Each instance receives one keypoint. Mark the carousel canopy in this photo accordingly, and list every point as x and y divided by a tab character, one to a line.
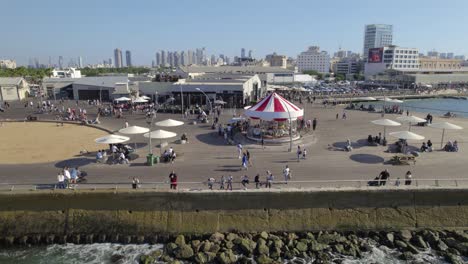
274	107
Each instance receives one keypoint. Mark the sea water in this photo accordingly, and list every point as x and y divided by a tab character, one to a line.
102	253
435	106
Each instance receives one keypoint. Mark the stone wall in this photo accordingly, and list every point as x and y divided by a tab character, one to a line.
145	213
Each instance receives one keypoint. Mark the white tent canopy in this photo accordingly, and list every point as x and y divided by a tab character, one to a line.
145	97
385	123
366	98
112	139
274	107
122	99
169	123
443	126
406	135
140	100
132	130
160	134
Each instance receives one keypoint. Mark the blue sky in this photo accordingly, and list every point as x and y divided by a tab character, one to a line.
93	28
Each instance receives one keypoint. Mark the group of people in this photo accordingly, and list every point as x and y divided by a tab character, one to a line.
384	177
426	147
451	146
225	182
169	155
67	177
120	154
377	140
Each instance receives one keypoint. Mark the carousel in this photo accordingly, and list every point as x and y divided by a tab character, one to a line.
274	119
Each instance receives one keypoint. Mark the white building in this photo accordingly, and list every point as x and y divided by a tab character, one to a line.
13	89
346	66
392	57
376	36
67	73
276	60
9	64
314	59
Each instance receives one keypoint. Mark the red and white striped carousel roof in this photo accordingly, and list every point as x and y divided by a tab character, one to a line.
274	107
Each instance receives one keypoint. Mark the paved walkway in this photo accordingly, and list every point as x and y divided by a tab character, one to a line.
207	155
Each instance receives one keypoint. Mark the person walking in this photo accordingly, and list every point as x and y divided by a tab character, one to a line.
286	175
245	181
314	124
263	143
257	181
135	183
244	161
298	153
269	180
61	181
173	180
229	183
66	174
408	178
239	150
247	153
384	176
211	182
337	115
222	182
304	153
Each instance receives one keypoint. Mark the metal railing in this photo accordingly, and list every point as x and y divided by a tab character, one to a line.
237	185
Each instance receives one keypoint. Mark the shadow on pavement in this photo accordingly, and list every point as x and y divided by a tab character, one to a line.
77	162
211	139
367	158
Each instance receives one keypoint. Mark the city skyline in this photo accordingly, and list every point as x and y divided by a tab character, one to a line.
155	29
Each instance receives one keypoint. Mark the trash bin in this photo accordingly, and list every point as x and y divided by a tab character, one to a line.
150	160
156	159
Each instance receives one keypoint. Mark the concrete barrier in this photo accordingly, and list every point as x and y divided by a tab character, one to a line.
145	213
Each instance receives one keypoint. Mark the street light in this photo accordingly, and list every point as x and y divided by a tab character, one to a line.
150	121
207	98
181	101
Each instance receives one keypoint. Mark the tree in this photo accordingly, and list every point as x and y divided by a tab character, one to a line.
314	73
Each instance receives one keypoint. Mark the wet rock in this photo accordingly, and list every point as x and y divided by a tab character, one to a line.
454	259
205	246
419	242
460	236
330	238
229	245
140	239
244	260
180	240
126	239
453	251
146	259
310	236
400	244
217	237
214	248
389	239
76	239
411	249
175	262
263	249
201	257
231	236
278	244
263	259
440	245
184	252
431	237
226	257
301	246
101	238
89	239
156	253
338	248
170	248
195	245
50	239
406	256
117	258
463	248
322	258
62	239
22	240
316	246
405	235
247	246
264	235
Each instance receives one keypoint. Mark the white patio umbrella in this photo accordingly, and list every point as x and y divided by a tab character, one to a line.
443	126
145	97
160	134
169	123
123	99
134	130
140	100
221	102
406	135
385	123
411	119
112	139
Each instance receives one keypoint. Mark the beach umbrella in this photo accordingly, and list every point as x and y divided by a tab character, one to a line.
134	130
112	139
140	100
145	97
169	123
123	99
443	126
385	123
406	135
411	119
160	134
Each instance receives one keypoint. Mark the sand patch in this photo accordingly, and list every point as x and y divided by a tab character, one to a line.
37	142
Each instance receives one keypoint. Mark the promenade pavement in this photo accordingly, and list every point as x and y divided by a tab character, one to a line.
206	155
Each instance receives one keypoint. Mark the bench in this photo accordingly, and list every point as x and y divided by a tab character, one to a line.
402	160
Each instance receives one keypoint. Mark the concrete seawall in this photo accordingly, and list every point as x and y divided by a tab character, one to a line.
140	213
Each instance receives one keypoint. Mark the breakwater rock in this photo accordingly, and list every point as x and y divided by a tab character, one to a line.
316	247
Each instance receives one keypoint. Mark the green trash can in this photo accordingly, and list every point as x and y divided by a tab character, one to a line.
156	159
150	160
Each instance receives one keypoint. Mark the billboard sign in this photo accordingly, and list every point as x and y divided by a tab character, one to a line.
375	55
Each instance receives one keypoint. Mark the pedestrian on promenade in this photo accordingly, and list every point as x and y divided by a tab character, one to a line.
314	124
222	181
397	182
286	174
257	181
263	143
298	153
304	153
344	116
61	181
407	112
337	115
135	183
66	174
229	183
244	161
173	180
408	178
211	182
384	176
245	181
269	179
247	153
239	150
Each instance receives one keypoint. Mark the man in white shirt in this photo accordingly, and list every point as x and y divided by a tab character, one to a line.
122	158
286	172
60	179
66	174
239	150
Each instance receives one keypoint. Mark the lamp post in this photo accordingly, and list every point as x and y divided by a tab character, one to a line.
100	93
207	98
181	101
